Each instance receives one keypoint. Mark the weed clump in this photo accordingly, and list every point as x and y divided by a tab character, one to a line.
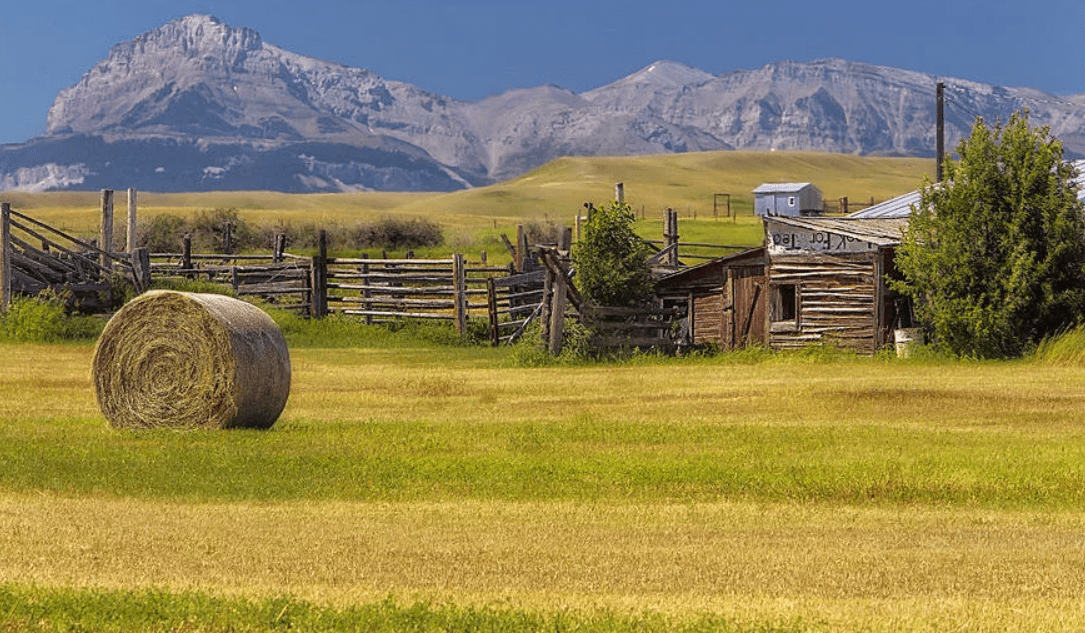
45	319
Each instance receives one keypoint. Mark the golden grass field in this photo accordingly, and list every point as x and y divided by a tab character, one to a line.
799	492
1000	545
558	190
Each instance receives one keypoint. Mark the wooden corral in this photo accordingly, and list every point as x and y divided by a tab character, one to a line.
35	257
375	290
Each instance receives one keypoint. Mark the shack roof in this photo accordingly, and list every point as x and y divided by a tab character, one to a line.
877	231
782	187
749	256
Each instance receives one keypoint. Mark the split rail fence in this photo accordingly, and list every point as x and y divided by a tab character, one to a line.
538	285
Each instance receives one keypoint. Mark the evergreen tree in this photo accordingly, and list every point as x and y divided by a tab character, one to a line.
994	257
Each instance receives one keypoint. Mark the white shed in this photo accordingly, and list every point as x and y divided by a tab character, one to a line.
789	199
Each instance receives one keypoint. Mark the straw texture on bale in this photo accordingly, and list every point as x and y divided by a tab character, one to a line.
188	360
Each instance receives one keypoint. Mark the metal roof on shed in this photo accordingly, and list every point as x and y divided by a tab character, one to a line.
782	187
901	206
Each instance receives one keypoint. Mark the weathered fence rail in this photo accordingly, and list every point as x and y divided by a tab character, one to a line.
36	256
646	327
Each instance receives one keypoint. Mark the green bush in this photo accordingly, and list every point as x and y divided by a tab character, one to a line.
994	257
397	234
612	260
45	319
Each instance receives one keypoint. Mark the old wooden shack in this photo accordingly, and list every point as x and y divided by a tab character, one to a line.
816	280
723	299
827	281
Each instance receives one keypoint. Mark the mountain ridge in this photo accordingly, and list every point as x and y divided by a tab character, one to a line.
197	104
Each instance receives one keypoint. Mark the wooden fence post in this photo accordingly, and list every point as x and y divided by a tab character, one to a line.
619	192
670	237
132	222
491	304
141	268
521	248
278	248
367	293
459	285
228	238
186	255
5	256
320	278
557	314
105	238
566	244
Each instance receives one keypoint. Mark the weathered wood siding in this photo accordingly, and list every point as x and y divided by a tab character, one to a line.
840	298
725	299
748	294
707	317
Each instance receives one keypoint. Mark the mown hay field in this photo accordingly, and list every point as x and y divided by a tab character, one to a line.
424	487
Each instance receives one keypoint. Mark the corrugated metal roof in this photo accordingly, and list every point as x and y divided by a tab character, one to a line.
878	231
901	206
781	187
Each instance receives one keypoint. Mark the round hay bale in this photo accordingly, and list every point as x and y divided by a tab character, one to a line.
187	360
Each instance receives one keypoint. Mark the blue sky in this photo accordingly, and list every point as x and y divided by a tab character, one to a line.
474	48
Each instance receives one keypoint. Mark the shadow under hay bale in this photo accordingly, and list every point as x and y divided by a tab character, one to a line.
187	360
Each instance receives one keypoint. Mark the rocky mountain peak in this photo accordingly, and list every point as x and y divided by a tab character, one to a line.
193	35
197	104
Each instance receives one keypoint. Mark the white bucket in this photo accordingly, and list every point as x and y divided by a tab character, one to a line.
906	340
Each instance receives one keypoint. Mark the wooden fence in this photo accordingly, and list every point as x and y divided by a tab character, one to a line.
646	327
537	286
35	256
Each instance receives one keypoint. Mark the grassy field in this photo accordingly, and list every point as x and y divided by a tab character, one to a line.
474	219
414	486
417	485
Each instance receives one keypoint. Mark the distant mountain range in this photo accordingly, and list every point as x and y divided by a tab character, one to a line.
198	105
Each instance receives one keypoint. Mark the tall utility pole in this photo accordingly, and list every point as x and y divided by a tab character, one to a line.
940	133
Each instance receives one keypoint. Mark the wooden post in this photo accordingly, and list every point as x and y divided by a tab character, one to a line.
579	226
279	248
557	314
186	254
566	244
459	285
5	256
546	303
670	237
844	205
131	233
939	131
619	192
228	238
320	278
141	268
491	304
367	293
521	247
105	236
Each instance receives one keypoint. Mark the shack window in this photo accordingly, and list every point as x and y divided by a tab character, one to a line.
784	309
791	201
